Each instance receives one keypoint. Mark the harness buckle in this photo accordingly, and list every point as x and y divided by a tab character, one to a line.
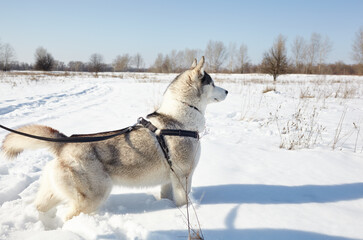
145	123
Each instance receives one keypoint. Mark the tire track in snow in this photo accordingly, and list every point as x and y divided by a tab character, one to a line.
66	101
54	98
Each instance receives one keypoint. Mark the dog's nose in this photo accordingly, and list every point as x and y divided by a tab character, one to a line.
226	92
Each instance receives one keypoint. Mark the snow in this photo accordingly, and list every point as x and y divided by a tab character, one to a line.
246	185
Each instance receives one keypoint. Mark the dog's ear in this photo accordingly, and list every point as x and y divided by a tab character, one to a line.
200	64
200	68
194	64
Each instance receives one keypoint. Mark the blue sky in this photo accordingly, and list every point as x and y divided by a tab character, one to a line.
74	29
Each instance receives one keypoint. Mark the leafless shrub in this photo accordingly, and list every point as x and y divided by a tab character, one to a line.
338	130
357	128
301	131
345	90
306	93
269	89
349	91
341	137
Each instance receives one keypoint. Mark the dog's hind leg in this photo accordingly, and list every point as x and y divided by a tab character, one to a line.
46	197
87	201
85	187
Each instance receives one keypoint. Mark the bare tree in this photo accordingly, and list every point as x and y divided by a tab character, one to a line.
122	63
1	55
176	60
59	66
138	61
183	58
189	56
312	51
166	67
77	66
216	54
299	52
232	53
7	56
243	58
158	64
43	60
275	60
96	64
357	47
325	48
318	51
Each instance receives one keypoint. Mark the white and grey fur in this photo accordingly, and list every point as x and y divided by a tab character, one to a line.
82	174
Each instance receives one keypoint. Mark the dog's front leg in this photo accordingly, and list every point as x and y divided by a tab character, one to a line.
181	187
167	191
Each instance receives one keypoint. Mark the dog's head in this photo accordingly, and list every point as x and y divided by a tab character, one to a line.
196	87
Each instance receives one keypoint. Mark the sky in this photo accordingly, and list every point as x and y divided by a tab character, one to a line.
75	29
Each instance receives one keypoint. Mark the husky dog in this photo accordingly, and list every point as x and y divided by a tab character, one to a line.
82	174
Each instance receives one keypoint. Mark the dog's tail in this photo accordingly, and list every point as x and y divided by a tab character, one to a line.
14	144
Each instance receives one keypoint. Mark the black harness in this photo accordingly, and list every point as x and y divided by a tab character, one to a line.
141	122
166	132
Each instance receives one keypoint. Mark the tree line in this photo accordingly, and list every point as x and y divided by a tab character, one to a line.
307	56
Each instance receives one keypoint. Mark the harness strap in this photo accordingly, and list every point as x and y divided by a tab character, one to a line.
165	148
180	133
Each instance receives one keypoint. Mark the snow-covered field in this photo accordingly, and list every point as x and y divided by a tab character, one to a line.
248	184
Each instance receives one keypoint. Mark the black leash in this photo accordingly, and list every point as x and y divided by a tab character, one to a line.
75	138
85	138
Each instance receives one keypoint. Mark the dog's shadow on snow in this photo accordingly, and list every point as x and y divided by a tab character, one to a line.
273	194
248	234
267	194
241	194
238	194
